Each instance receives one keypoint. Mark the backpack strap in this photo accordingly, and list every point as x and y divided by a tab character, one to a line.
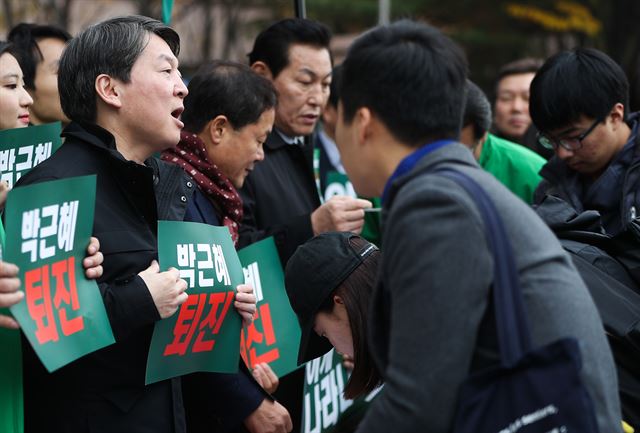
514	337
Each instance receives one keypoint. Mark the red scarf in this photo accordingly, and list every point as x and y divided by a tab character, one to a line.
192	156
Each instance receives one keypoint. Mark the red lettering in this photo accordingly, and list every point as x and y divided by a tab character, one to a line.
212	321
39	304
264	337
67	296
186	325
189	322
267	326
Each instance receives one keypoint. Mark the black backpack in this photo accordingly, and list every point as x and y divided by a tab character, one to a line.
610	268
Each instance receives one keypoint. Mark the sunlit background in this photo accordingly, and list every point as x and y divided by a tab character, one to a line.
492	32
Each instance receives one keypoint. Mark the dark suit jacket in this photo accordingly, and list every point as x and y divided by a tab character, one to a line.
105	391
279	196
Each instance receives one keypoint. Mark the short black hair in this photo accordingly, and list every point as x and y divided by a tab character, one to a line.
25	37
411	76
230	89
528	65
477	110
272	44
582	81
110	47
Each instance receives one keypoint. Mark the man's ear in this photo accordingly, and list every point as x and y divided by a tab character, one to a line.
330	114
217	128
262	69
617	114
365	123
107	89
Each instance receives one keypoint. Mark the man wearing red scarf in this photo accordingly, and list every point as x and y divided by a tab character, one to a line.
228	115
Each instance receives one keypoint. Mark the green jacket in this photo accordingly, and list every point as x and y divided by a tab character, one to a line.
513	165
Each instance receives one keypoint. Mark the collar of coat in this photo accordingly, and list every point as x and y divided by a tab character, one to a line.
276	141
99	137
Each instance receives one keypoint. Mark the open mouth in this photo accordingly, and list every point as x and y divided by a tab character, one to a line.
177	112
176	115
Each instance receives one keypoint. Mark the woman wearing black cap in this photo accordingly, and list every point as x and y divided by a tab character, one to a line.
329	281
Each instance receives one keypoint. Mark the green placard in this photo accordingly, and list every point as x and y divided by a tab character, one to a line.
48	229
324	409
338	184
1	238
21	149
204	334
274	335
11	407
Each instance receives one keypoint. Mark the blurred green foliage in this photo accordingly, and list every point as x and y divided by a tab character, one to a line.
494	32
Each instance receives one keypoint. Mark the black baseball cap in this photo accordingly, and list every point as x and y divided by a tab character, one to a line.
312	273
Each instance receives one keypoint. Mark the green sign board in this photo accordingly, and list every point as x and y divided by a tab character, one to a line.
48	229
21	149
338	184
274	335
1	238
324	408
11	407
204	334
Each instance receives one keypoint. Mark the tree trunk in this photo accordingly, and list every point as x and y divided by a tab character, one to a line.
231	31
207	29
8	14
622	41
64	12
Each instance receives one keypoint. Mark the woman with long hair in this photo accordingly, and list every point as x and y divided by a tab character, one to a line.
329	281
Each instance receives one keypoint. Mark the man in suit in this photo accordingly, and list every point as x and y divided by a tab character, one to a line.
281	197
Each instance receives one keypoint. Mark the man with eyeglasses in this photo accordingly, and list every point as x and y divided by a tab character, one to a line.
579	103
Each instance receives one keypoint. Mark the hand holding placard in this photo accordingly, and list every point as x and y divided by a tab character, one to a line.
48	229
245	303
204	333
167	288
274	335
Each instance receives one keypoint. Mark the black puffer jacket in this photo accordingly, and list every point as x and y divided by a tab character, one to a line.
560	181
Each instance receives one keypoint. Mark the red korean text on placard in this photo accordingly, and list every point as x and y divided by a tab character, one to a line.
52	296
261	333
201	316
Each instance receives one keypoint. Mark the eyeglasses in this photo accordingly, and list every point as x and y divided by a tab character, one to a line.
572	143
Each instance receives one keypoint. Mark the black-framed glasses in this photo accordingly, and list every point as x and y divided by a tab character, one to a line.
573	143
